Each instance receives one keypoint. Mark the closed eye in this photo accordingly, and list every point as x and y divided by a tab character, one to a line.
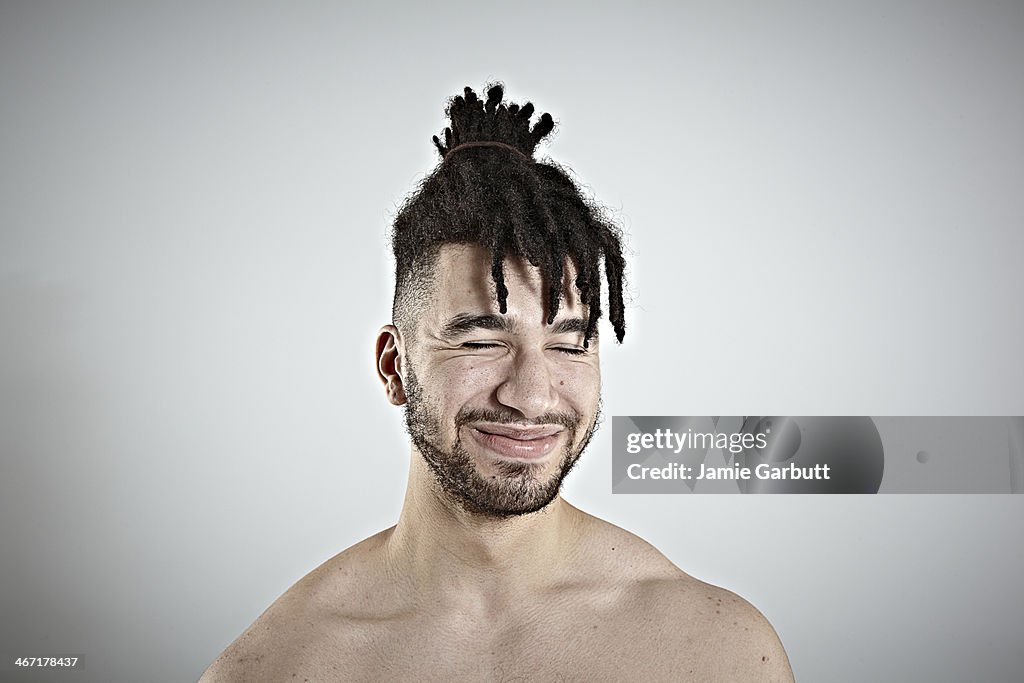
568	350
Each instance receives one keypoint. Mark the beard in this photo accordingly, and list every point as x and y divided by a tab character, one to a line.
516	490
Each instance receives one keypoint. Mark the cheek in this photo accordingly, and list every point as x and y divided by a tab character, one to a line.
462	379
580	384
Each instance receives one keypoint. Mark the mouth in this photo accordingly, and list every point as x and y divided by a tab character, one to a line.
526	443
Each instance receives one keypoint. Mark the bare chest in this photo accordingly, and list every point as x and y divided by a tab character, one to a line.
552	646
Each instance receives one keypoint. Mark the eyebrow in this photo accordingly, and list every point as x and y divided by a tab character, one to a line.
577	325
468	322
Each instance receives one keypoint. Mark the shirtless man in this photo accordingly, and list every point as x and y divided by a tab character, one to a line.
489	574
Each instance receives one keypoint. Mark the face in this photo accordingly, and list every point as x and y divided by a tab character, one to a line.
500	406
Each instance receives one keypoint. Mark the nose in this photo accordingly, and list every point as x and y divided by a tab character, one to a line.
528	388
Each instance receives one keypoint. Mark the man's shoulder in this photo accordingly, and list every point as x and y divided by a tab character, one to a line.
711	629
323	605
732	638
257	654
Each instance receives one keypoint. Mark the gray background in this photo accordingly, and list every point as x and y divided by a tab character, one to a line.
824	206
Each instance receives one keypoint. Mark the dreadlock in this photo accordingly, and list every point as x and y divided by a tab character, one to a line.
510	203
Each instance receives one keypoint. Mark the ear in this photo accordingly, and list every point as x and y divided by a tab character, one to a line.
389	363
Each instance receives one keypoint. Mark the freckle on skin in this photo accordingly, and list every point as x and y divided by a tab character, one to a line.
561	382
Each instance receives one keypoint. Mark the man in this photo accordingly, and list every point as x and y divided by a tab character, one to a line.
489	574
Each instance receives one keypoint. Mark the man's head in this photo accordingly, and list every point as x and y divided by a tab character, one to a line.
498	292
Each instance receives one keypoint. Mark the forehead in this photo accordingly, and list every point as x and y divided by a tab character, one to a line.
463	283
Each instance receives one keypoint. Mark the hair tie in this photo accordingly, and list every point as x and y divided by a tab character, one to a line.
484	143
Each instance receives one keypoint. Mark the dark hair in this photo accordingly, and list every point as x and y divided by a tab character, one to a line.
510	203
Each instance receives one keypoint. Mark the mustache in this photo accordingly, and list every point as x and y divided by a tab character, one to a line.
465	416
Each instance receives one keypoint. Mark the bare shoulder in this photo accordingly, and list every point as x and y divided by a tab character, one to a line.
736	640
714	633
289	635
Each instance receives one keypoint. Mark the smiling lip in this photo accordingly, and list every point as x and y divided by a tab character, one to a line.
528	443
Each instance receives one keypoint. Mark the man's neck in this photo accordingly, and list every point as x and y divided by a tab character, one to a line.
443	550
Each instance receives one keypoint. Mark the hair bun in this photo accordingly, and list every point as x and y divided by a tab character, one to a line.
473	120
